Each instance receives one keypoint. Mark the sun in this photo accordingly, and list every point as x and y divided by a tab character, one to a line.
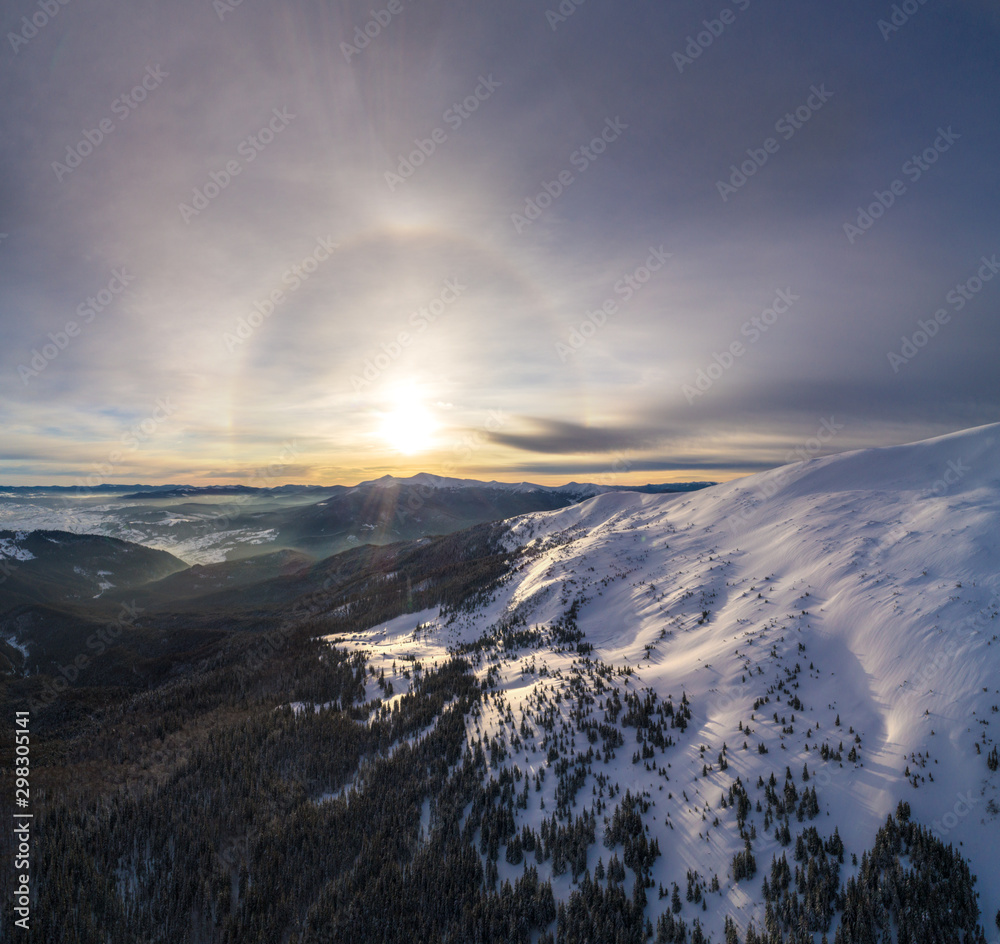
409	427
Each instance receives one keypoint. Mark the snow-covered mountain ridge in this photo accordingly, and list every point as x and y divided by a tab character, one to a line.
839	606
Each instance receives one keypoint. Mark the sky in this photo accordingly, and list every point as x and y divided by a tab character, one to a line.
323	241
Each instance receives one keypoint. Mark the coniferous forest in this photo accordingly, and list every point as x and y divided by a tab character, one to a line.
267	795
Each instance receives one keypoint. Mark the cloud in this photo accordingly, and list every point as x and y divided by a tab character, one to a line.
555	437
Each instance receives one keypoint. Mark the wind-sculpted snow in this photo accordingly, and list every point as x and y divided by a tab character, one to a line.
835	619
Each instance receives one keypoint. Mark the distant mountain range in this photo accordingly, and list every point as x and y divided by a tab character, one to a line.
795	673
216	523
423	479
70	565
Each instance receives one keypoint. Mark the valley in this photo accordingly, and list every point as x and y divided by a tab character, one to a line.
731	715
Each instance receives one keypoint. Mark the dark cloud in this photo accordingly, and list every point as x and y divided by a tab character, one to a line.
555	437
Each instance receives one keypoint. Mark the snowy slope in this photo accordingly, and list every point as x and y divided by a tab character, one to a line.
866	585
